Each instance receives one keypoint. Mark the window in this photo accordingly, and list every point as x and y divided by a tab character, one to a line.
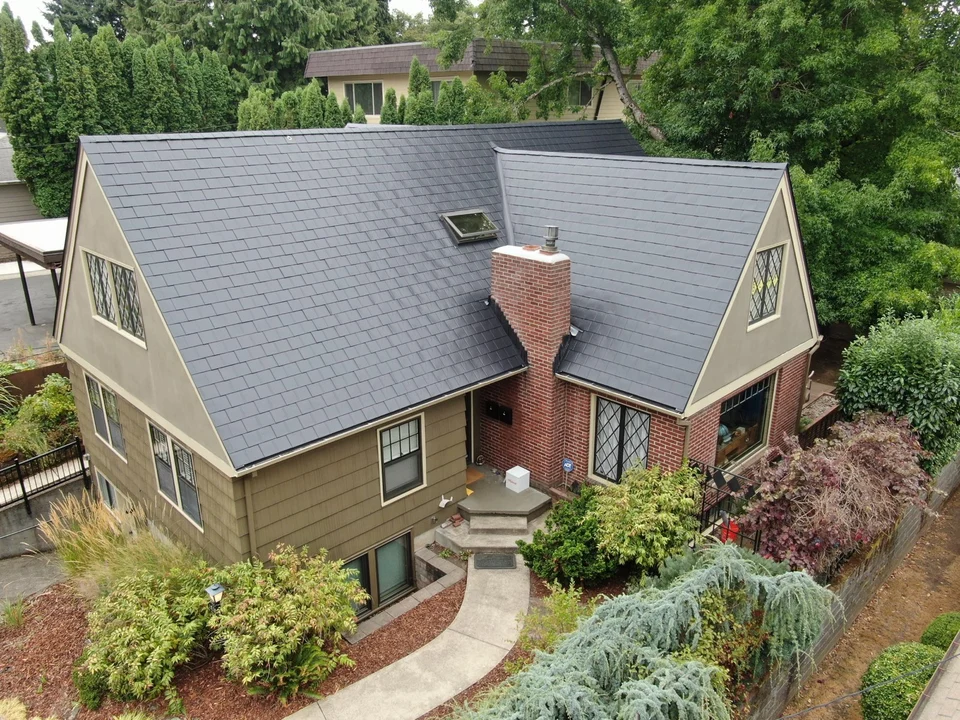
176	478
621	438
108	493
469	226
579	93
115	297
766	283
369	96
385	572
435	86
106	415
743	421
401	459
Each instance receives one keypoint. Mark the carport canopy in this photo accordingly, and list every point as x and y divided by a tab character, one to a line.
41	242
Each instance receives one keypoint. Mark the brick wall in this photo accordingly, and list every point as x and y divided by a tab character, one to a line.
790	391
703	434
853	592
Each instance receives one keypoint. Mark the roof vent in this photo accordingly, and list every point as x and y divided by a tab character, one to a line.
550	239
468	226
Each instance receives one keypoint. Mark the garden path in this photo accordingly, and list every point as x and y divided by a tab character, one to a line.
26	575
483	632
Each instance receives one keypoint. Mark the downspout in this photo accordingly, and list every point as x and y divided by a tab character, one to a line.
685	424
251	524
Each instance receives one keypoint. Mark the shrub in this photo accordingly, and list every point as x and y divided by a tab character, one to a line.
280	626
15	613
911	368
545	626
45	419
815	505
567	549
91	687
13	709
941	632
146	627
896	700
649	516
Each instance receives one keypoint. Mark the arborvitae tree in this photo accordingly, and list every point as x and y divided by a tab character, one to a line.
451	105
88	14
256	111
216	93
288	110
482	106
145	92
332	117
419	79
77	110
170	109
359	116
186	76
388	113
402	110
36	32
111	90
346	112
421	110
311	106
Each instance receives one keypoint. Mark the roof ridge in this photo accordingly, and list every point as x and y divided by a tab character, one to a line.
646	158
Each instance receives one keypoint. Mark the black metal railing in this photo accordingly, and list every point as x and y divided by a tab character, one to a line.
820	429
724	495
24	478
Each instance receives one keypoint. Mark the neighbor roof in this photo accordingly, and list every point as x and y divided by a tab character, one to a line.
306	277
7	175
658	246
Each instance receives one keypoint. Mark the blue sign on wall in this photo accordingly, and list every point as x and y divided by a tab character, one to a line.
567	465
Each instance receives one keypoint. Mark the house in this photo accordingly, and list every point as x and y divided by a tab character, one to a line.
16	203
364	74
311	336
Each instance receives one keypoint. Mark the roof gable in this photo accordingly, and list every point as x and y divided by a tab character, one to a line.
306	277
658	246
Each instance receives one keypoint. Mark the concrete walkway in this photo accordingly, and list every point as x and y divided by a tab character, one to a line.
478	639
27	575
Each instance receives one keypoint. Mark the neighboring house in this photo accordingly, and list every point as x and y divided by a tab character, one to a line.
364	74
16	203
307	336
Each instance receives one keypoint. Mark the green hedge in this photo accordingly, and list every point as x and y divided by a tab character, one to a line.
896	700
941	632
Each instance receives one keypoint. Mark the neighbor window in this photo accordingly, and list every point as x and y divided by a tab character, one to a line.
385	572
115	296
369	96
106	415
435	85
743	421
401	458
620	441
766	283
176	478
579	93
108	493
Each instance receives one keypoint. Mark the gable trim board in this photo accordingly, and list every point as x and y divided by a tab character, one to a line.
71	249
609	392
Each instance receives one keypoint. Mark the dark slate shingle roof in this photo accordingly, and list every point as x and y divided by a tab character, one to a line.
305	275
657	246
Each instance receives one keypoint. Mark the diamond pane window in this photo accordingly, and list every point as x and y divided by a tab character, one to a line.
469	226
621	439
766	283
100	286
128	301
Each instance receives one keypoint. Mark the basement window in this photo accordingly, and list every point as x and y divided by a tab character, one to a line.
469	226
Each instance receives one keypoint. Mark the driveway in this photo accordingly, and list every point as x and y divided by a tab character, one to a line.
13	310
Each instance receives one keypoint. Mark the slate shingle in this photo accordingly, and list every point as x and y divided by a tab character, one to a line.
385	288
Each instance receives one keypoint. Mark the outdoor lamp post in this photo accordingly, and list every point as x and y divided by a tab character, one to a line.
215	592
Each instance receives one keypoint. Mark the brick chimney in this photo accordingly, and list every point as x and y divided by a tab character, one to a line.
531	286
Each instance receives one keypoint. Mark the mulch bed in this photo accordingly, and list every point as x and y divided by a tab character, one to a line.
53	636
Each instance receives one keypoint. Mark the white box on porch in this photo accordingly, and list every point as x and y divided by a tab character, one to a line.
518	479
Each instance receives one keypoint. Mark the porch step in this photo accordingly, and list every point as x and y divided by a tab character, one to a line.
498	524
467	538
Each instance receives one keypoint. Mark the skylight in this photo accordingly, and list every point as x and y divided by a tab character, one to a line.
469	226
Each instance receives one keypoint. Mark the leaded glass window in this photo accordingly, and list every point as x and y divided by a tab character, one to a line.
621	439
176	476
100	286
128	301
96	408
400	458
187	483
105	409
766	283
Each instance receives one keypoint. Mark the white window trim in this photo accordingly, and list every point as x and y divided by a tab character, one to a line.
764	445
423	457
176	479
105	440
116	493
751	326
591	475
383	95
115	326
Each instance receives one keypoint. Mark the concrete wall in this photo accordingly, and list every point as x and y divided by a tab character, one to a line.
853	592
155	375
18	529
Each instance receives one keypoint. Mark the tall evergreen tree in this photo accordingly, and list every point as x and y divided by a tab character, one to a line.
402	110
217	93
312	106
186	76
332	117
345	112
88	15
169	111
111	90
288	110
388	113
419	79
359	116
256	111
420	109
145	92
77	110
451	105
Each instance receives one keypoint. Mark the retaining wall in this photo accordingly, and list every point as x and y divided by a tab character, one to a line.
18	530
26	382
853	591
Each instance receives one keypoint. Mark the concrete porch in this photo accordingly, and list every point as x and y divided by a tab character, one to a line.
490	496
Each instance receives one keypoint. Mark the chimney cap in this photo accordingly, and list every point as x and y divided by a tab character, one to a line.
550	239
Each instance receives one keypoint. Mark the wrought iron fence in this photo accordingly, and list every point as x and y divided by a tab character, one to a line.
25	478
820	429
725	494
